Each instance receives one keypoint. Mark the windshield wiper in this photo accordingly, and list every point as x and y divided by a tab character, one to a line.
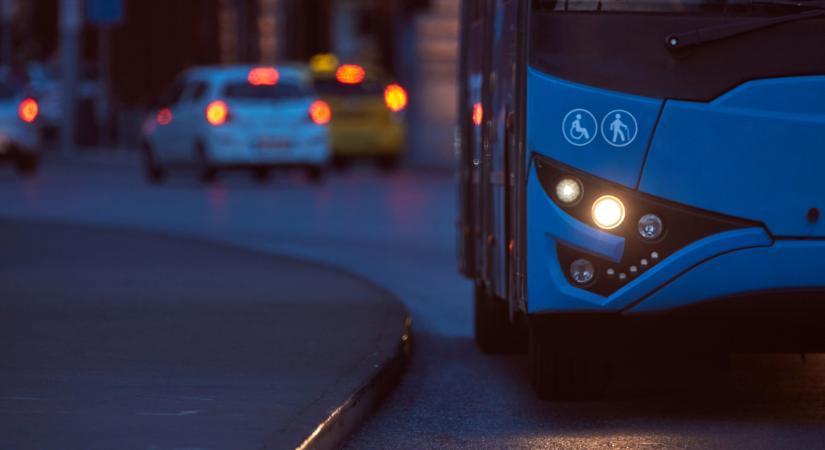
681	41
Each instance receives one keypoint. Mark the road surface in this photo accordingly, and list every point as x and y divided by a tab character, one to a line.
398	231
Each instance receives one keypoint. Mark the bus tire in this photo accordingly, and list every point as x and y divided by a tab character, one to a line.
494	333
560	373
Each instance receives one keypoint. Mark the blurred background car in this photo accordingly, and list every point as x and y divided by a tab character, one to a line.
19	138
368	112
241	116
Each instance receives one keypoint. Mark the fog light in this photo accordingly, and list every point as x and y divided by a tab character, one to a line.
608	212
651	227
582	271
569	190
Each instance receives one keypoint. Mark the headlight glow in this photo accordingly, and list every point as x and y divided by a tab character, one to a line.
569	190
608	212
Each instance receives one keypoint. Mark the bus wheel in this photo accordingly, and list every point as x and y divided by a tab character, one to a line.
494	333
559	373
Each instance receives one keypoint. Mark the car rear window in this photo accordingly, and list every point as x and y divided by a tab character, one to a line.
333	87
244	90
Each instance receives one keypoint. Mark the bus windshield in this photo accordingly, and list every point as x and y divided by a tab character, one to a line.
670	6
680	49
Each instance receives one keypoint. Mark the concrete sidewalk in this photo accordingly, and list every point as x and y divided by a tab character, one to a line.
127	340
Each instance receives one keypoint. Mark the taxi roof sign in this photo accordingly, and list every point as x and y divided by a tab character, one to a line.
324	62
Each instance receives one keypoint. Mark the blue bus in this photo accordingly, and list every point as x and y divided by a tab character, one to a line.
641	174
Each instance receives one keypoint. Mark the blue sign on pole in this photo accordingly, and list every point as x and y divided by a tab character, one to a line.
104	12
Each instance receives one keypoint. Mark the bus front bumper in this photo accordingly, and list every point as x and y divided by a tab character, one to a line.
746	270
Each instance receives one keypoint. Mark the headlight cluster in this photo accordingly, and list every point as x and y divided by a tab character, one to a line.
653	228
608	211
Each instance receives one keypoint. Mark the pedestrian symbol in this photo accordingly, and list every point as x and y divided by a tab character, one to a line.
619	128
579	127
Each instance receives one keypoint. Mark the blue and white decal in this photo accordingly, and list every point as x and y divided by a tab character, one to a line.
579	127
619	128
584	114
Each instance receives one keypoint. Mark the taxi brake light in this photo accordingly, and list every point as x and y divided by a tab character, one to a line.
28	110
263	76
217	113
350	74
395	97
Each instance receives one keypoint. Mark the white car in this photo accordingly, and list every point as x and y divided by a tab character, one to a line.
19	136
246	117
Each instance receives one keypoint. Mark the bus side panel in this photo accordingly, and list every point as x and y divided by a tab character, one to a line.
517	181
469	127
502	133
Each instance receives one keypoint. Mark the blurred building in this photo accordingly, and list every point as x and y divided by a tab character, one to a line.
435	57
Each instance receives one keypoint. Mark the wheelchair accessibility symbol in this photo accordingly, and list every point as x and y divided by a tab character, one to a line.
619	128
580	127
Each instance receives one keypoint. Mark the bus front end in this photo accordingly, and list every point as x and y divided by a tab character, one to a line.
676	185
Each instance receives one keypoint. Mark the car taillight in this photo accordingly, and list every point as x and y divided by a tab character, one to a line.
395	97
28	110
350	74
164	116
320	112
217	113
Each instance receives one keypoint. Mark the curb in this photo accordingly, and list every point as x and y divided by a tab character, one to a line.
345	419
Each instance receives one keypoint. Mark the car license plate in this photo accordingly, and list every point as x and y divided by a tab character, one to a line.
273	144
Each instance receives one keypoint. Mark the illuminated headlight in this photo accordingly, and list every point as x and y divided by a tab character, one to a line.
582	271
651	227
608	212
569	190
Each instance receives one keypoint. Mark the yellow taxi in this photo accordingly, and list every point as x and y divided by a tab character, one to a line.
367	112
